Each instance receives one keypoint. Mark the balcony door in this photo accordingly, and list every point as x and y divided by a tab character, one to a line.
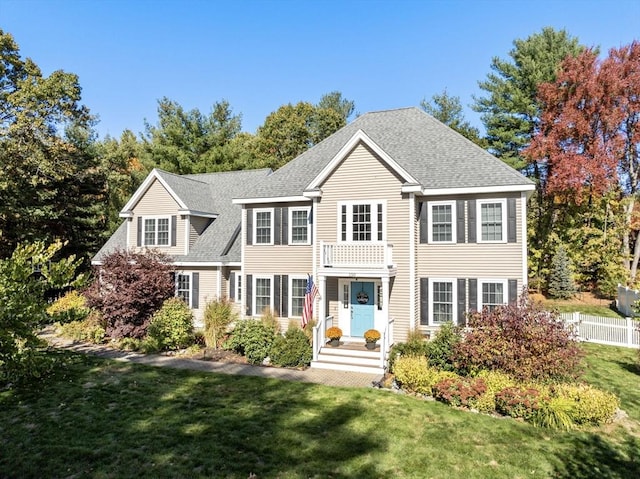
362	306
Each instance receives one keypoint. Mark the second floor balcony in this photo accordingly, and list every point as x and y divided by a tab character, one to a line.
356	255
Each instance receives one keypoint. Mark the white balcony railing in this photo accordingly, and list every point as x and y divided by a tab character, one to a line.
363	254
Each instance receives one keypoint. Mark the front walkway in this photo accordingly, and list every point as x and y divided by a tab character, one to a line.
311	375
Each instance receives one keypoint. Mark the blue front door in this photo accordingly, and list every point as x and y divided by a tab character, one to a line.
362	307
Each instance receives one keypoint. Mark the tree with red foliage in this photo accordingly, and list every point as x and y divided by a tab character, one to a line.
128	288
588	141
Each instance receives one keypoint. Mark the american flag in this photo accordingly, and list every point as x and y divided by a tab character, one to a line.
309	297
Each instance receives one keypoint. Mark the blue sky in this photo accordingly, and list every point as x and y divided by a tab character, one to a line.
262	54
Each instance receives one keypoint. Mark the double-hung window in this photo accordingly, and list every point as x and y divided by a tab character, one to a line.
492	215
443	300
299	225
493	293
156	231
361	221
263	294
297	290
442	224
263	226
183	287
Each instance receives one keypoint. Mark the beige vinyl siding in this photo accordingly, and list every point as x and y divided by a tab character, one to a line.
332	299
197	226
207	285
158	202
363	176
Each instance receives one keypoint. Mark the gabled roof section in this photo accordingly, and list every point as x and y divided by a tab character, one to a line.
117	241
437	157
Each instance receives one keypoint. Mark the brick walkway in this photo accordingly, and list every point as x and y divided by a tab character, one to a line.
318	376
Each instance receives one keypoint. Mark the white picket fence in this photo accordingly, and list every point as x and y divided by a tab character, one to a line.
602	330
626	300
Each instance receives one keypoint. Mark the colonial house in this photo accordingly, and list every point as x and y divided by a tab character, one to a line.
402	223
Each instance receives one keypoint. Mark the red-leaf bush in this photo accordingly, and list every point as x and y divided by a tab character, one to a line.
459	391
128	288
522	340
518	402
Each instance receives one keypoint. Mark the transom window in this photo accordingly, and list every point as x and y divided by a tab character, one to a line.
362	221
156	231
183	288
492	216
263	226
299	221
262	294
441	222
298	288
493	294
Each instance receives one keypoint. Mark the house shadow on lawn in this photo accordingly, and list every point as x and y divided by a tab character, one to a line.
591	457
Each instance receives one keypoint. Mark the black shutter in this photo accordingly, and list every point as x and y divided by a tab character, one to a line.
460	220
513	291
277	228
462	300
284	312
424	299
139	230
473	294
277	306
471	213
249	225
232	285
284	236
511	220
248	297
424	227
195	290
310	224
174	228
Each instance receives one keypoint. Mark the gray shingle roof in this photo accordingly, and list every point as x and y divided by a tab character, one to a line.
117	241
434	154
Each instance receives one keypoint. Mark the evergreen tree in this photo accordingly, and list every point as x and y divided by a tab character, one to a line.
561	284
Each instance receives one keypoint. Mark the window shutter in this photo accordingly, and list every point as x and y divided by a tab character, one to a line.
277	294
511	220
310	224
424	299
513	291
473	294
174	228
471	213
343	222
249	225
462	301
277	225
284	312
424	227
460	220
232	285
139	230
195	290
172	275
248	297
285	226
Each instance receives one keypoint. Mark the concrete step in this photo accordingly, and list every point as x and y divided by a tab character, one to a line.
349	358
356	368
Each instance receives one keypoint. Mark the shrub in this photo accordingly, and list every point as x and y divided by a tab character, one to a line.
518	402
70	307
91	329
172	326
128	289
416	346
459	391
555	413
414	374
495	381
218	315
333	333
590	406
251	338
521	340
270	319
291	350
440	350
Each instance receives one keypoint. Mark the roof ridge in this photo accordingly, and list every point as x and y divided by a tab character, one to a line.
178	176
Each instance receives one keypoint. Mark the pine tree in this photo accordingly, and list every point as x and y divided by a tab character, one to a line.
561	284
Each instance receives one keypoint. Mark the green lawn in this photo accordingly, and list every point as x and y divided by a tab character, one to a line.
105	419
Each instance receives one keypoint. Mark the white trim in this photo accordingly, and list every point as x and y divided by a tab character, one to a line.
273	199
476	189
290	295
187	233
523	232
238	294
454	221
190	275
205	263
491	201
505	290
254	311
126	214
243	248
374	220
454	298
143	243
271	223
412	261
290	225
142	189
127	243
219	286
359	136
188	212
411	188
317	193
315	251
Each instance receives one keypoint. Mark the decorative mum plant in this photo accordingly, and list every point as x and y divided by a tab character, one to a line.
334	333
371	335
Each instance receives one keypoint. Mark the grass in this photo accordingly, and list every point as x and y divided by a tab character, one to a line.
103	419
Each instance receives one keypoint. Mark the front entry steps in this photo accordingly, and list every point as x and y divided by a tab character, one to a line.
349	357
